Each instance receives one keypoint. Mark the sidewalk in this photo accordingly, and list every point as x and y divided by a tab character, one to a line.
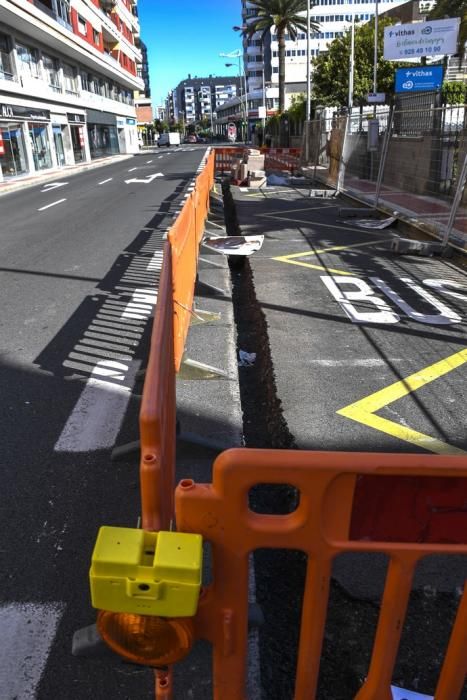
429	213
68	170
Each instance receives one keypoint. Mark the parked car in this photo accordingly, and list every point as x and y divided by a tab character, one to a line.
169	138
191	138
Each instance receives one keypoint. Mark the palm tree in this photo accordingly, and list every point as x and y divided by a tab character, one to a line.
287	16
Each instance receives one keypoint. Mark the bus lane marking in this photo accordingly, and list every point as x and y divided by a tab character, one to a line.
364	410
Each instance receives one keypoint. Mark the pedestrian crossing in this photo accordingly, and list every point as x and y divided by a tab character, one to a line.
27	631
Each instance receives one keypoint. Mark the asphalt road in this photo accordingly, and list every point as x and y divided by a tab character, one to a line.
79	260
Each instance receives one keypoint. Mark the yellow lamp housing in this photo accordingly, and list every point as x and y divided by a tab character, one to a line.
146	573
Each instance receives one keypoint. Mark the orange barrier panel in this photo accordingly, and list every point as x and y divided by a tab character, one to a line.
281	158
319	527
157	413
185	236
182	237
225	156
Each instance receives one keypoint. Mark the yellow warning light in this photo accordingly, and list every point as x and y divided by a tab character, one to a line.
146	573
147	640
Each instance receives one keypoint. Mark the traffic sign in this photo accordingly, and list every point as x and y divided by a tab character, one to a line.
421	78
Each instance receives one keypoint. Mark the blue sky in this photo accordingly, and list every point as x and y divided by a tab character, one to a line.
184	36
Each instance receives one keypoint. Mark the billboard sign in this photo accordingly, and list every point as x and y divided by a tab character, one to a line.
404	42
231	131
419	79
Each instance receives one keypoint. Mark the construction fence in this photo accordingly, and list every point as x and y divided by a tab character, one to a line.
408	158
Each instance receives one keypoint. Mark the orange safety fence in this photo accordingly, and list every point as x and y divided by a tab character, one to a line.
226	155
281	158
171	323
185	237
320	527
157	413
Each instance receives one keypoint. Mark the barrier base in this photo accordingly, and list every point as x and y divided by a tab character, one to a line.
407	246
126	450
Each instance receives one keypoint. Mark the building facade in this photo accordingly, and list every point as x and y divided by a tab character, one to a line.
261	59
68	72
196	99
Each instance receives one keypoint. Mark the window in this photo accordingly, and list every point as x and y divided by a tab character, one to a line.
63	10
82	25
69	77
96	37
85	81
6	69
51	70
28	60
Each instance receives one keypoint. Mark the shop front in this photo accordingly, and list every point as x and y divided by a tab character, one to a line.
24	140
13	160
102	132
77	124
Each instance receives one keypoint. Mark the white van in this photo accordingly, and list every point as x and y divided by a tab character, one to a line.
171	138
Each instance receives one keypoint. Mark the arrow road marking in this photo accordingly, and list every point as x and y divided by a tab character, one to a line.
53	186
364	410
146	180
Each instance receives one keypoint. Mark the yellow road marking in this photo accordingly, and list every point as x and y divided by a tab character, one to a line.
364	410
292	261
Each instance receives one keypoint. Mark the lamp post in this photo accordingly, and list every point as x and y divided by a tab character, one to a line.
241	72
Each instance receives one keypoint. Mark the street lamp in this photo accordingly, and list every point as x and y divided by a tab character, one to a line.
244	102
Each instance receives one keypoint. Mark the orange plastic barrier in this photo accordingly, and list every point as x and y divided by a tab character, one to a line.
185	236
281	158
226	155
319	527
170	329
157	413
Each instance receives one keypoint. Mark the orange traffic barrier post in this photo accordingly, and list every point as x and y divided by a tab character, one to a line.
321	528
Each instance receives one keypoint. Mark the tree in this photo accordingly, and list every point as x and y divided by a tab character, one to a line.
453	8
286	16
331	69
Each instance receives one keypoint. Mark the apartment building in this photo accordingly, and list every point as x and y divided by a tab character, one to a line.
68	72
199	98
261	59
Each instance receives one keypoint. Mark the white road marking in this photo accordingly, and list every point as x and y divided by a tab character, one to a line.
97	416
131	170
59	201
147	180
53	186
27	631
93	424
149	161
160	156
104	181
